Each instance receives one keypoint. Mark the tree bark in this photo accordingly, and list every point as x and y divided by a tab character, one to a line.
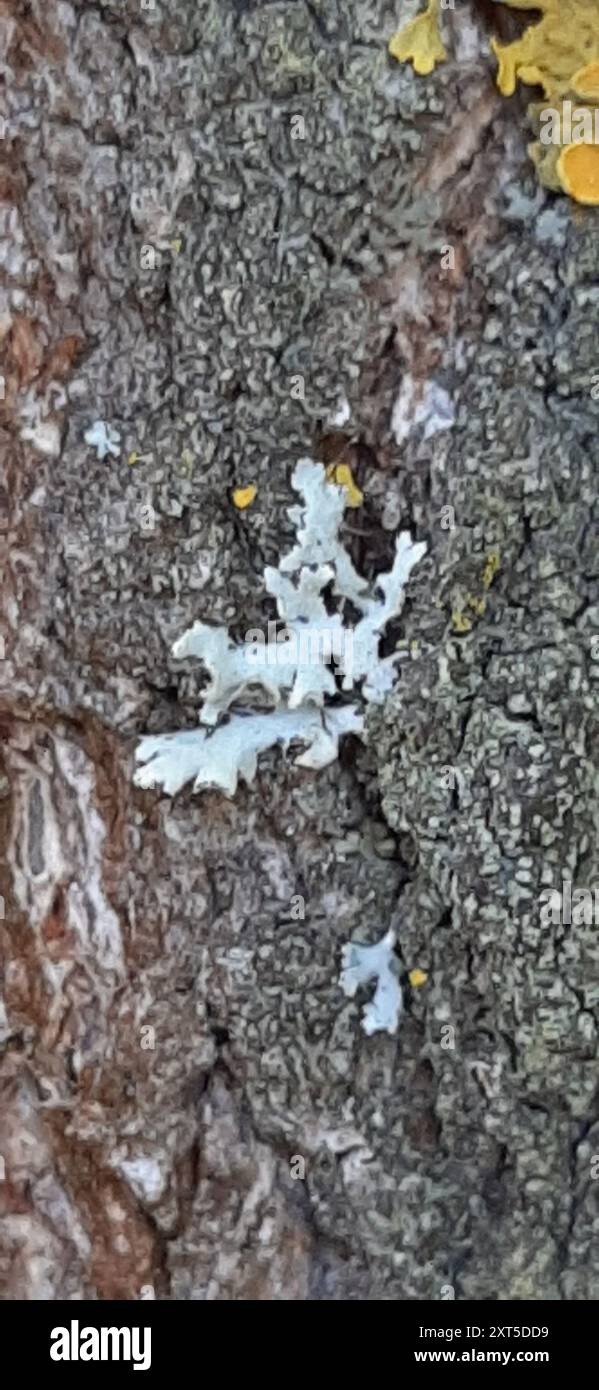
219	221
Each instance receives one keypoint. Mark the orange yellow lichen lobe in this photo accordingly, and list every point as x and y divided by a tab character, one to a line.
578	172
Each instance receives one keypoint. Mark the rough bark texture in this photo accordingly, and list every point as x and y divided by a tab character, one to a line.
173	1035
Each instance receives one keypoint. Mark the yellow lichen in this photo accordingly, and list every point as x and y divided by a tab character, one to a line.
459	621
578	172
585	82
551	50
559	126
545	158
176	246
417	978
420	42
559	52
491	567
478	605
244	496
341	474
133	456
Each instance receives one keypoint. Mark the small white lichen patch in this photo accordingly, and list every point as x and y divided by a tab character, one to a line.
341	414
104	439
295	674
39	426
361	965
417	404
144	1175
44	436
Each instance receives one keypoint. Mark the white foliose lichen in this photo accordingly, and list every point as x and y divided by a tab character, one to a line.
220	758
104	439
361	965
295	674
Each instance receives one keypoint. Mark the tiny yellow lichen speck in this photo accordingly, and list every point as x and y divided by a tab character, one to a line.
478	605
244	496
460	622
341	474
491	568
